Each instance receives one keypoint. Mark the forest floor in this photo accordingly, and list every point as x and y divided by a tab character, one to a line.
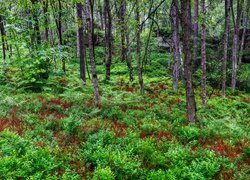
60	134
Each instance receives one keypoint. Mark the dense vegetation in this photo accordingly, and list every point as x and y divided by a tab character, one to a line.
129	112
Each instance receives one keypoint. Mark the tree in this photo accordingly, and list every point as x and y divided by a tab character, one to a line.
79	12
235	48
90	23
108	36
245	22
129	56
175	43
36	21
187	49
203	54
138	46
196	30
3	35
226	36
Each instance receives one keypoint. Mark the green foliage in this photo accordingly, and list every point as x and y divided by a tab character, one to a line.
19	159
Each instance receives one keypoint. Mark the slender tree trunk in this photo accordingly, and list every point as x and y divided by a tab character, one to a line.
176	44
90	22
79	10
145	57
187	48
195	36
226	36
203	55
129	55
2	29
245	22
108	38
138	46
60	33
236	44
128	49
46	19
101	17
122	26
36	25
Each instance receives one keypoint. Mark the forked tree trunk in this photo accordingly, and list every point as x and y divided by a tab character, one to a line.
187	49
79	12
203	55
108	37
226	36
90	22
176	44
138	46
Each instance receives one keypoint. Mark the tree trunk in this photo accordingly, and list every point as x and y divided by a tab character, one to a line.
203	55
236	44
46	19
176	44
79	10
187	48
36	25
195	36
129	55
3	34
90	22
138	46
122	26
245	22
226	36
108	38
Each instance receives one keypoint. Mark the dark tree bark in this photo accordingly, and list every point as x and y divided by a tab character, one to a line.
236	43
90	22
36	25
46	19
3	35
203	55
79	10
108	37
226	36
138	46
196	14
187	49
176	43
245	22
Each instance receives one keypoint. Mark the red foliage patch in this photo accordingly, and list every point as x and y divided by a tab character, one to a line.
162	86
13	122
129	89
220	148
57	115
118	128
77	166
165	135
143	135
59	102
